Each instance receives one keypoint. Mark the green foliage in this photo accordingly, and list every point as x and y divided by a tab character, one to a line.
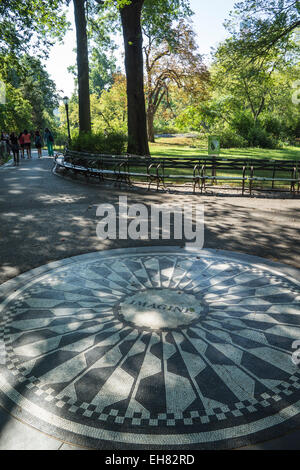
230	139
260	26
108	112
102	71
15	114
110	144
273	126
254	132
158	17
30	24
30	95
39	90
259	137
103	24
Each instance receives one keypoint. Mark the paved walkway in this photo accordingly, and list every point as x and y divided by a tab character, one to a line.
45	218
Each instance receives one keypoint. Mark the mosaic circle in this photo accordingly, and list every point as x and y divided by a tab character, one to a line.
153	350
160	309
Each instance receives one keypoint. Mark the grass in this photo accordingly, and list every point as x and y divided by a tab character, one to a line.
4	159
194	148
187	147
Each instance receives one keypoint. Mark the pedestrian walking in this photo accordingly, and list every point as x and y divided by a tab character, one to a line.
21	144
14	144
49	139
5	140
38	143
27	143
2	146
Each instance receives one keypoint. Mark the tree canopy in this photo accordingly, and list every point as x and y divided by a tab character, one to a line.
31	24
260	26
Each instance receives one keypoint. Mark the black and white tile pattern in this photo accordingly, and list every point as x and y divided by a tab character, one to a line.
154	350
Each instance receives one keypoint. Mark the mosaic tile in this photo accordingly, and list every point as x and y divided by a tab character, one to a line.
185	347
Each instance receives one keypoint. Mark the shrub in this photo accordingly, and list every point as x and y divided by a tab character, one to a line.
241	123
111	144
264	134
273	126
259	137
230	139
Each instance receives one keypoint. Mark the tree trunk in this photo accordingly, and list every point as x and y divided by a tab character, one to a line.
133	40
82	66
150	124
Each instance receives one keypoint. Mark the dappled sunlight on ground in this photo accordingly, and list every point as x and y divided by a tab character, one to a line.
45	218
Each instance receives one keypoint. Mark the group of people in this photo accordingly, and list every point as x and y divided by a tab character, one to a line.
23	142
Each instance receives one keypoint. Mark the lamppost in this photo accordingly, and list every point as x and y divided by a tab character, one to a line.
66	103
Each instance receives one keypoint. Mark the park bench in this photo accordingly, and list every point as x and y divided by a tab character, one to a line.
104	166
217	169
199	171
174	169
274	171
252	171
123	168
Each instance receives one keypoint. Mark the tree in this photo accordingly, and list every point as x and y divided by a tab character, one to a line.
39	90
176	63
30	23
31	95
82	66
102	71
263	25
133	40
16	114
131	14
158	14
102	22
109	112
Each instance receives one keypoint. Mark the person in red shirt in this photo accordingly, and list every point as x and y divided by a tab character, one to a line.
27	143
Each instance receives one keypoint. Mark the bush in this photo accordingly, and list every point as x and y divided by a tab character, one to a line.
241	123
264	134
273	126
111	144
259	137
230	139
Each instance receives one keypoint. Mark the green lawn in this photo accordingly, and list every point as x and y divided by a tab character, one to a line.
173	147
177	147
187	147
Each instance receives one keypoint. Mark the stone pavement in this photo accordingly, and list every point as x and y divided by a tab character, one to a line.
50	218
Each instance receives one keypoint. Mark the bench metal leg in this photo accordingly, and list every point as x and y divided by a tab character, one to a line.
243	187
250	187
149	177
293	188
195	182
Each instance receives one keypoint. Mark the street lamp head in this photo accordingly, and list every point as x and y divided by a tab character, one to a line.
66	100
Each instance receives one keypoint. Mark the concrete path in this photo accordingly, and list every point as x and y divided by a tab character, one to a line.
45	218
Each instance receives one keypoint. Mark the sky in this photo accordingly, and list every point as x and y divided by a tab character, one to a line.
208	25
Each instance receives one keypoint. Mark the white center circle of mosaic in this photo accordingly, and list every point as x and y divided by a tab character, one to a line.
153	350
159	309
